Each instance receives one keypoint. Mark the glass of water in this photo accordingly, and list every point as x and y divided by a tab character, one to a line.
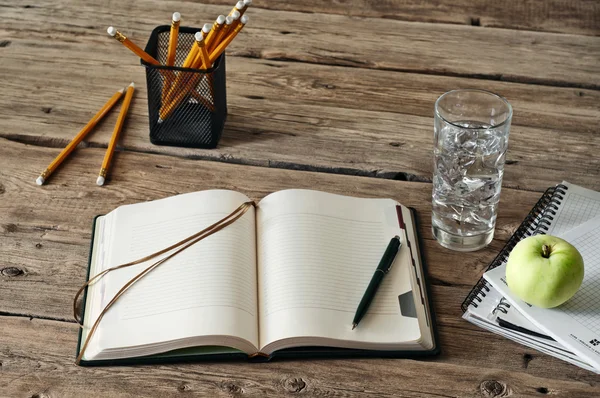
471	138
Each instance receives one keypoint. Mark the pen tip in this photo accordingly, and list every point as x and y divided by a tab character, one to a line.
353	326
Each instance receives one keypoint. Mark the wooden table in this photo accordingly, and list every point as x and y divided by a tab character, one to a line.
331	95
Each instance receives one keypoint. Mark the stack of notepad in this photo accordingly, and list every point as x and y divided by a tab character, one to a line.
570	331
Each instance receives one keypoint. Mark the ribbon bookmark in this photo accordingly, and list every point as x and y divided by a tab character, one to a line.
180	246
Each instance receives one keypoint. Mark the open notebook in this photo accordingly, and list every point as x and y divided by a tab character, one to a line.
560	211
284	279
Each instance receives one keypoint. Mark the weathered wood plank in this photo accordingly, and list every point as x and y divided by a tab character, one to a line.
45	234
46	237
575	16
556	59
36	357
284	116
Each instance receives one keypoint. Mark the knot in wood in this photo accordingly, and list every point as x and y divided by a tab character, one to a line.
40	395
232	388
11	271
494	389
183	387
294	384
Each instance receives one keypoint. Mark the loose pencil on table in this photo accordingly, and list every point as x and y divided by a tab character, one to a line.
115	136
79	137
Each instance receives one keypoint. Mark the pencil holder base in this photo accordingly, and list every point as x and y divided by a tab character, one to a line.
186	107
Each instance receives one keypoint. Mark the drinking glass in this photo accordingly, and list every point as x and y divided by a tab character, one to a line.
471	138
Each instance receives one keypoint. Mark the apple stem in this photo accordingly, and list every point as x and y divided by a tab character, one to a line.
545	251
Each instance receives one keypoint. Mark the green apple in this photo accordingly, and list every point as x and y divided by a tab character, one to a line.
544	270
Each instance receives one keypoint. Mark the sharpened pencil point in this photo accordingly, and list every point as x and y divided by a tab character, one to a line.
111	30
176	17
132	85
40	180
100	181
160	120
221	19
121	91
353	326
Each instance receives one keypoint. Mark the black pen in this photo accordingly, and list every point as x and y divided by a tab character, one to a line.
383	268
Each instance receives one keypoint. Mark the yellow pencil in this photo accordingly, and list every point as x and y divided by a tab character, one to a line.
241	6
131	45
187	63
223	45
173	37
178	91
222	33
115	136
80	136
216	28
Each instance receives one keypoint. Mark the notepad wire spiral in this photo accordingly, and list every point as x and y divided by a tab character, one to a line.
502	306
537	222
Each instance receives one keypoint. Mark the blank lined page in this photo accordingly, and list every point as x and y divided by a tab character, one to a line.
317	254
208	289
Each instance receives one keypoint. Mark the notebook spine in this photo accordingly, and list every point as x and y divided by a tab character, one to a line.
537	222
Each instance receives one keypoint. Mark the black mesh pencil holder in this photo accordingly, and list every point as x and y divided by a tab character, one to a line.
187	107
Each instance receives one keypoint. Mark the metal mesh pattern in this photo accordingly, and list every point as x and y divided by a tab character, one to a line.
186	107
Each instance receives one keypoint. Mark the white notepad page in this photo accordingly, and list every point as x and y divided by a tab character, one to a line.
576	323
577	205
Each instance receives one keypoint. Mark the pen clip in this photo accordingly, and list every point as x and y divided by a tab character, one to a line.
395	254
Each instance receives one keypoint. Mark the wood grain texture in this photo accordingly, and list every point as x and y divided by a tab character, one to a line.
500	54
342	120
46	241
46	237
37	357
575	16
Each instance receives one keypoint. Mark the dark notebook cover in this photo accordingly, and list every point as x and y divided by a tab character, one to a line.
187	355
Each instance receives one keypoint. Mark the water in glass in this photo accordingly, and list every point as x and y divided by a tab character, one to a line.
468	164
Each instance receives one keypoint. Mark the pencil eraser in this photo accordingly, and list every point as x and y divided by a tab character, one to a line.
239	5
40	180
159	121
112	30
100	181
229	20
199	36
244	19
247	2
221	19
235	15
176	17
206	28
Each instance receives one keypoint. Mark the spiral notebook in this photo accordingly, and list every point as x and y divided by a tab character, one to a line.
560	209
